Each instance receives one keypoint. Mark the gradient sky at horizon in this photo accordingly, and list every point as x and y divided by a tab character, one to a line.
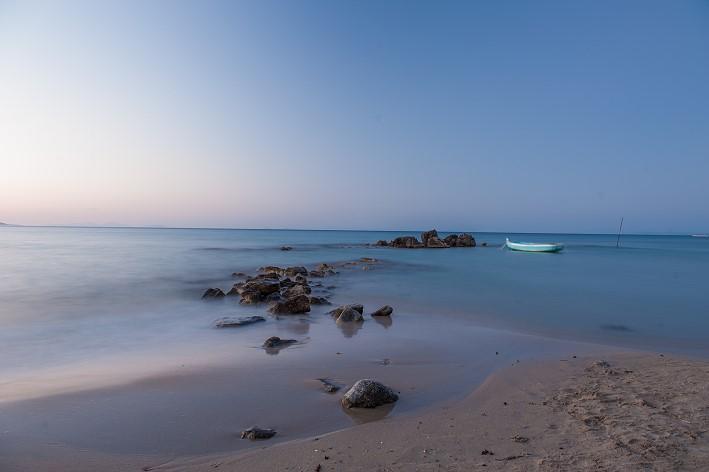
550	116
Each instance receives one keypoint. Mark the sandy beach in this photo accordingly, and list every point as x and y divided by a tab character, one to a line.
627	412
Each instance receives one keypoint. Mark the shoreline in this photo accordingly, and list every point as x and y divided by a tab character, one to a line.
575	414
564	414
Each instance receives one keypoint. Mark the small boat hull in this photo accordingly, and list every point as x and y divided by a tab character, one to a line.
534	247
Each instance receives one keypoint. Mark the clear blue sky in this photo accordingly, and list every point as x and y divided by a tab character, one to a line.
498	115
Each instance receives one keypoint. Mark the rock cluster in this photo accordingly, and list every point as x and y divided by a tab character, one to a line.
430	239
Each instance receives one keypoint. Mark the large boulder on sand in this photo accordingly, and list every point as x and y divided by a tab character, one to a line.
368	393
294	305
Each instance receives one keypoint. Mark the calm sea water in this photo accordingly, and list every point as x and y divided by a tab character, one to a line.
68	294
84	308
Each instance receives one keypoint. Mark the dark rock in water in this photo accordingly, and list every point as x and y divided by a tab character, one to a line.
435	242
323	267
267	275
368	259
286	248
296	290
212	293
329	386
484	244
273	297
317	273
251	297
382	242
255	433
263	286
426	235
285	283
293	271
349	314
275	341
300	279
451	240
319	301
238	274
465	240
338	311
368	393
386	310
275	269
295	305
233	322
236	289
406	242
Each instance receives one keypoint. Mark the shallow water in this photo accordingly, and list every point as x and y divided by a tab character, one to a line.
82	309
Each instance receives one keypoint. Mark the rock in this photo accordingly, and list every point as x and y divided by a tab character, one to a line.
435	242
329	386
300	279
368	393
368	259
317	273
451	240
323	267
381	242
251	297
296	290
386	310
285	283
275	269
484	244
295	305
235	289
338	311
275	341
293	271
264	286
426	235
465	240
267	275
349	314
286	248
233	322
406	242
238	274
255	433
212	293
319	301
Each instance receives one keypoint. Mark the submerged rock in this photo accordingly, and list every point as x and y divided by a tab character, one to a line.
386	310
286	248
368	393
275	341
213	293
381	242
317	273
329	386
319	301
255	433
295	305
338	311
234	322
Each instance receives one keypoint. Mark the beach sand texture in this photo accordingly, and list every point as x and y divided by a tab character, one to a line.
635	412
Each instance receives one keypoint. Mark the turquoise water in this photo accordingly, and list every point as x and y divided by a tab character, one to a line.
68	293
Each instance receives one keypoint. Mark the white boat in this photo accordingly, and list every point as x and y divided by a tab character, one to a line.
534	247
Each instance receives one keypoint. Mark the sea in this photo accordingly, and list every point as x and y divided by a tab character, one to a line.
93	315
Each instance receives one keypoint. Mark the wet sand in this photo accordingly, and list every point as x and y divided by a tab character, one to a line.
639	412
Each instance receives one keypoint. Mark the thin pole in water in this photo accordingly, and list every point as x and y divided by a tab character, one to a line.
620	230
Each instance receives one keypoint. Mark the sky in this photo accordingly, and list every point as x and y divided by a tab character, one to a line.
549	116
